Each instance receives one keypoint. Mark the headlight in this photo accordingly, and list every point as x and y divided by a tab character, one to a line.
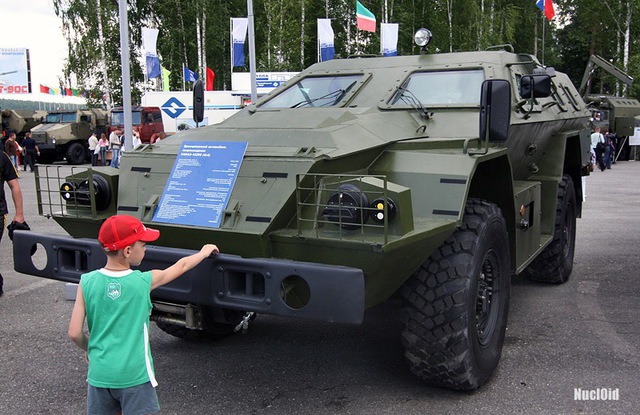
378	210
345	207
68	191
422	37
101	192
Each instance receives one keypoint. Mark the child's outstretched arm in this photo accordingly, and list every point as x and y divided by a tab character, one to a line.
164	276
76	332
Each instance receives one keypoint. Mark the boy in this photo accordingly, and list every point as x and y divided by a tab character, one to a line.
117	304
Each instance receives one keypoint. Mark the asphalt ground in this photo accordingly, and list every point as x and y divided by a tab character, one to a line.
583	334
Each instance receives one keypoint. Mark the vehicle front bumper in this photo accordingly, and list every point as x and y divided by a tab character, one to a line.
335	293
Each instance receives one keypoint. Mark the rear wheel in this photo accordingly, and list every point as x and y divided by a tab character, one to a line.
555	263
456	303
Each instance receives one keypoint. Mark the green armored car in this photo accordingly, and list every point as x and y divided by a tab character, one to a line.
432	178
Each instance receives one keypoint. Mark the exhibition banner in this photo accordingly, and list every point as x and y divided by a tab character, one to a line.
200	183
14	71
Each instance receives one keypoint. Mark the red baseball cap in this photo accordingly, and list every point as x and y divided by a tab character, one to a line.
120	231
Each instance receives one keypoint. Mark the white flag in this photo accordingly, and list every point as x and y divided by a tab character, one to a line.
389	39
149	39
239	34
325	40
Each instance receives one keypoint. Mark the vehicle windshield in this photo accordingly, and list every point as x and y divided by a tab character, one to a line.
440	88
320	91
65	117
117	118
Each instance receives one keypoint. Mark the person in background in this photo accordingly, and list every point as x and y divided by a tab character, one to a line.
597	147
11	148
114	142
9	174
135	140
103	143
93	145
609	148
31	151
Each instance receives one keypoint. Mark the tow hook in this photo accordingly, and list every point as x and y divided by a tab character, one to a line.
244	323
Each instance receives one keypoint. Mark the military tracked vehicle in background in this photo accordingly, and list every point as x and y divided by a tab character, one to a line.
436	177
64	134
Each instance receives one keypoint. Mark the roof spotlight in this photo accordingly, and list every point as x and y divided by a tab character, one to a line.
422	37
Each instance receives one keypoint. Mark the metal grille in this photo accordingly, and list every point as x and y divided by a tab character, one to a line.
313	192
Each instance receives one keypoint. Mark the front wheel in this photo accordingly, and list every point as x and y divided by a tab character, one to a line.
456	303
76	154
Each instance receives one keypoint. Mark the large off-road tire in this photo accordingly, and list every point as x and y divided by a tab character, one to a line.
213	330
456	303
555	263
76	154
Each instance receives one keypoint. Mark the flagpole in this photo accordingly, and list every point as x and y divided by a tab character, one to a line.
183	66
126	76
252	52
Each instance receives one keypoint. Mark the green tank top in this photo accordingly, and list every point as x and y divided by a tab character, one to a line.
118	306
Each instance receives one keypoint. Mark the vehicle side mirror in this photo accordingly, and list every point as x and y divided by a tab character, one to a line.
198	101
495	110
535	86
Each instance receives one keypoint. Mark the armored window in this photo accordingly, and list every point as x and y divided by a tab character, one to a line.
70	117
440	88
53	118
320	91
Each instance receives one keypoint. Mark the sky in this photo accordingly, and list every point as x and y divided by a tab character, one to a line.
33	24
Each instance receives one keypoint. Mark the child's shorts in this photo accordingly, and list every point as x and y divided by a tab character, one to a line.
141	399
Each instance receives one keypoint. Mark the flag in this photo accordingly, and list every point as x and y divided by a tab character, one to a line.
149	39
189	75
365	19
153	67
165	79
389	39
44	89
239	33
325	40
547	7
210	77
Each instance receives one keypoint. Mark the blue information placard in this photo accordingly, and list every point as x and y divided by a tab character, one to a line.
200	183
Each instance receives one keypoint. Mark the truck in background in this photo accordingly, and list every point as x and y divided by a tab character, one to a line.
620	115
19	121
177	107
148	120
64	134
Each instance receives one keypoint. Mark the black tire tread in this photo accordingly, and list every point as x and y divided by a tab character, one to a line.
435	315
549	267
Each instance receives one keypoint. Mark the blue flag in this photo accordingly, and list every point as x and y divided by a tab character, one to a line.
153	66
189	75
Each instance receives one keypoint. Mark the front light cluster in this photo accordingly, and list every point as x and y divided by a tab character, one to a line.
349	207
80	192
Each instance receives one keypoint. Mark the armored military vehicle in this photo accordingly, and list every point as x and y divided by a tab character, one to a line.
618	114
19	121
63	135
433	178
